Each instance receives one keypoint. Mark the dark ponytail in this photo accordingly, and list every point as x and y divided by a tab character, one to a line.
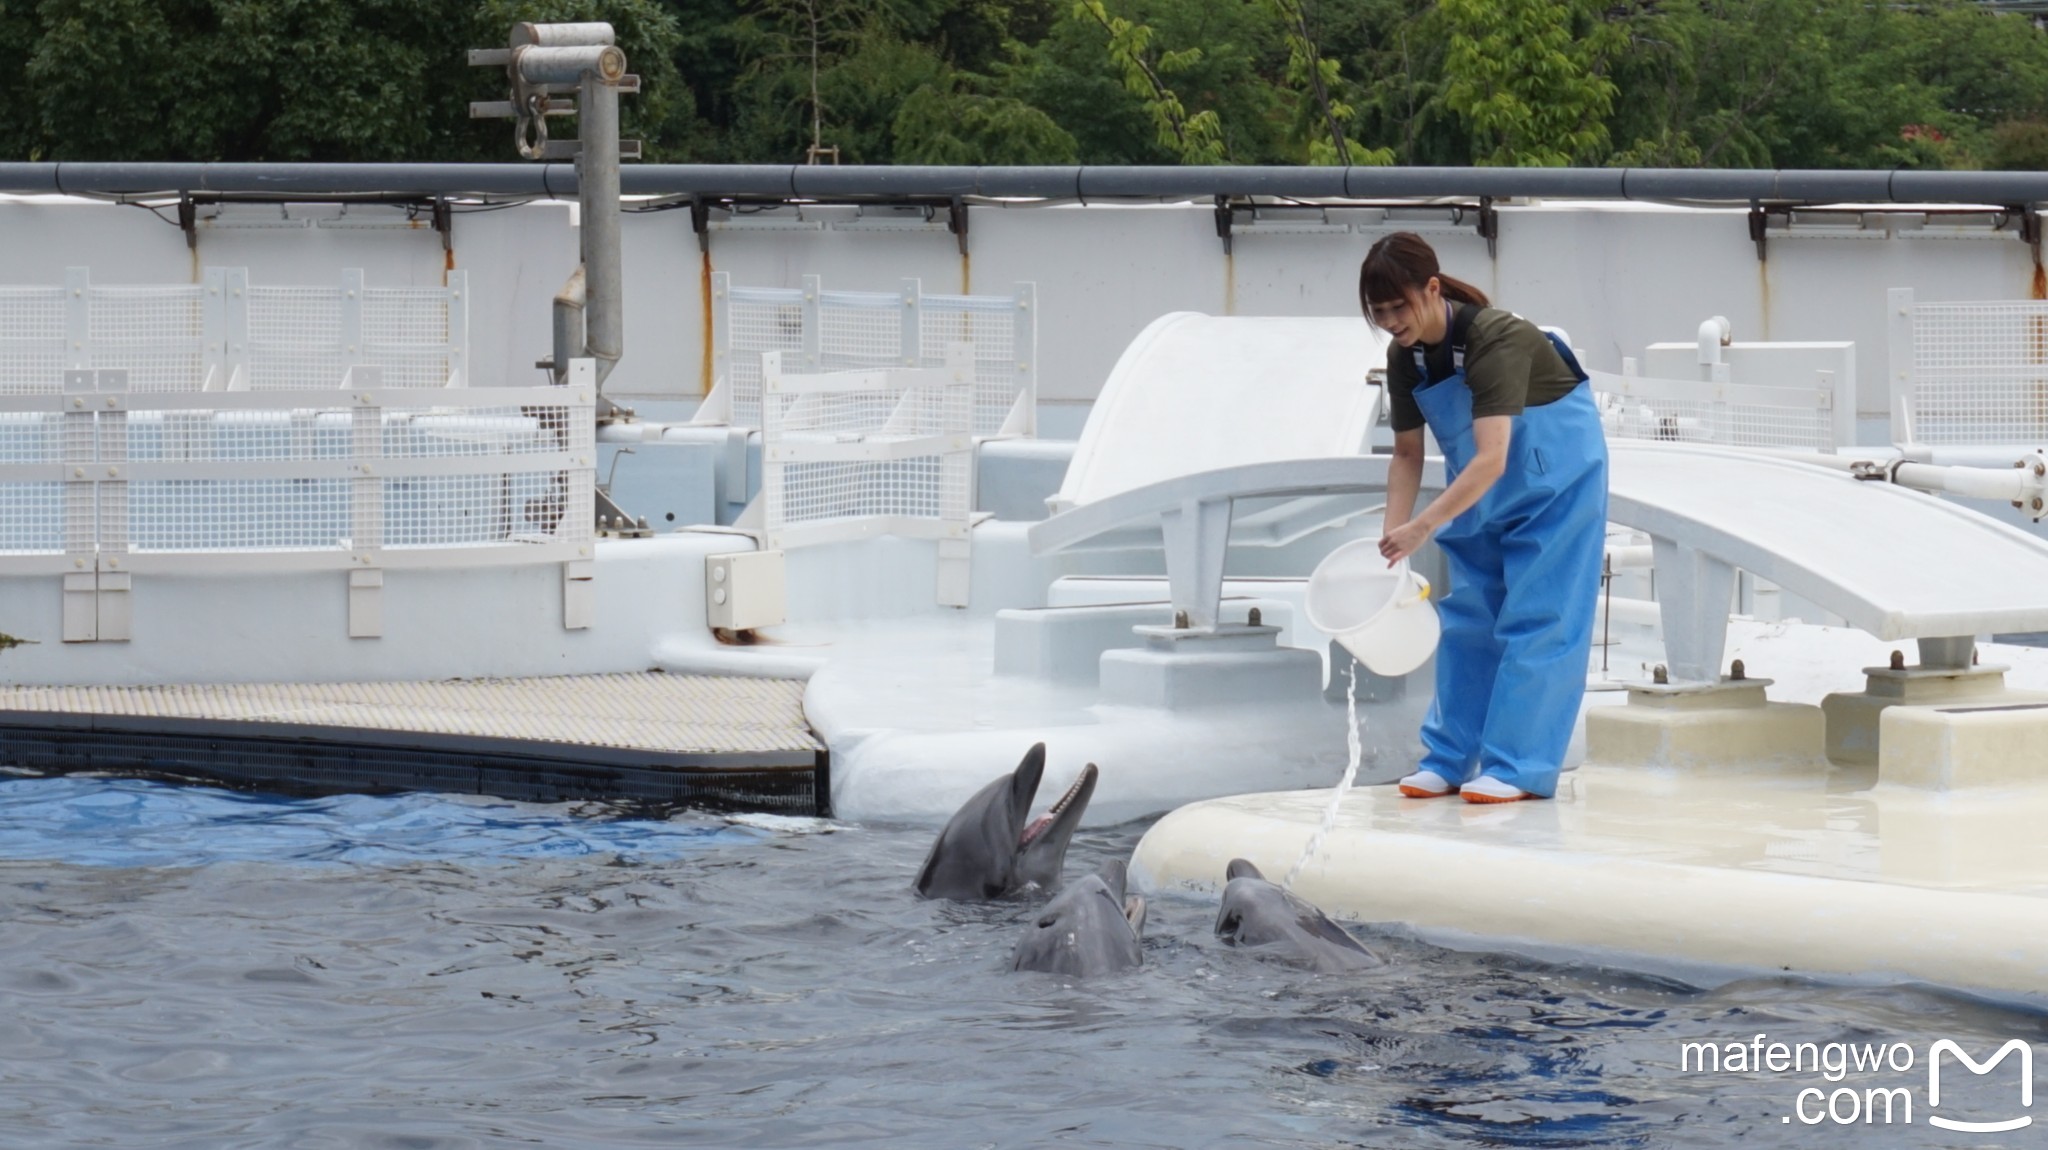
1400	265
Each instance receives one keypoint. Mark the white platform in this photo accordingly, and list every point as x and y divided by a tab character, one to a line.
1709	875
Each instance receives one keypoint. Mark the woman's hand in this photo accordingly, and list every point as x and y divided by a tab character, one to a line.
1405	540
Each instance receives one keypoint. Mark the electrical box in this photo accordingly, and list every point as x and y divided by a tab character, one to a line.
744	590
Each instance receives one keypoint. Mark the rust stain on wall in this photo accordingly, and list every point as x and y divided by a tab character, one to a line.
704	295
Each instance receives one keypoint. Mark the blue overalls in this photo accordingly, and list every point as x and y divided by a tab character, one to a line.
1525	565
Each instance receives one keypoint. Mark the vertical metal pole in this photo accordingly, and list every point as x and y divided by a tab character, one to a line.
597	167
1899	342
812	328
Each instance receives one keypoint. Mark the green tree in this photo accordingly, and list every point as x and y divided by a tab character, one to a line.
1323	123
944	125
1192	137
321	80
1532	92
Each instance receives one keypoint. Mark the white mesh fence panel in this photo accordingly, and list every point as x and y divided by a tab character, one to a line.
32	510
501	495
407	332
1684	411
113	439
861	329
865	452
1782	427
1000	329
1980	372
757	320
31	340
840	330
294	339
156	334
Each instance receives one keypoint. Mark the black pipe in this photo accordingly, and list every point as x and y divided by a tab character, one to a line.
778	181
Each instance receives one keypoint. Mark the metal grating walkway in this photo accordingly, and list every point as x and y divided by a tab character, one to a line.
695	739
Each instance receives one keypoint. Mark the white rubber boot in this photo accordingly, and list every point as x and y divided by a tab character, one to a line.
1427	785
1487	789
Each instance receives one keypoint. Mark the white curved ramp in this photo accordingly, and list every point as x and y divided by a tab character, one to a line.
1894	562
1198	392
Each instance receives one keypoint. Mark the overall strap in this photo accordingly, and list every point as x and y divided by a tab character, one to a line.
1564	352
1461	327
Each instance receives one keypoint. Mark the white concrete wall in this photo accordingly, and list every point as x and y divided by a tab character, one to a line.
1618	276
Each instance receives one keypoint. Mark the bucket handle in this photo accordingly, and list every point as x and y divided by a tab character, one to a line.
1421	585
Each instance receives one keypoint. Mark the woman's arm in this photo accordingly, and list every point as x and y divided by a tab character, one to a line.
1404	478
1405	534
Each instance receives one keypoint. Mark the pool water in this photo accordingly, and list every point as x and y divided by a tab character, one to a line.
184	967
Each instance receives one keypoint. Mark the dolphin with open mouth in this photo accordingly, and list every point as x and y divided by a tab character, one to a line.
1090	928
989	850
1279	924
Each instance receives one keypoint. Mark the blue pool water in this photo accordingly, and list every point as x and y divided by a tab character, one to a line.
183	967
137	823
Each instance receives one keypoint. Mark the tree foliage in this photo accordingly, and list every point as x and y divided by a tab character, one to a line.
1750	83
1530	87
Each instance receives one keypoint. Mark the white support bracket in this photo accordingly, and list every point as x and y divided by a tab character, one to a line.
1197	536
113	611
579	576
96	604
458	328
956	572
366	602
1694	592
579	594
1024	412
81	527
366	504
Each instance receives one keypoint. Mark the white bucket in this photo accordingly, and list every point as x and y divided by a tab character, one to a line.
1381	614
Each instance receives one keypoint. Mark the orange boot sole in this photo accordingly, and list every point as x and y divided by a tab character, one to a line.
1418	793
1473	797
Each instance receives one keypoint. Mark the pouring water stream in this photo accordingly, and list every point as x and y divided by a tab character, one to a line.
1355	746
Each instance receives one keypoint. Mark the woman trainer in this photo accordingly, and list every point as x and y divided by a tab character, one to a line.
1522	521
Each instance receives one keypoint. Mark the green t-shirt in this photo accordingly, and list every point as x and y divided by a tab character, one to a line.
1509	365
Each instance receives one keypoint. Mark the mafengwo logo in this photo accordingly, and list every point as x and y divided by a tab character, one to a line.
1889	1102
1945	1046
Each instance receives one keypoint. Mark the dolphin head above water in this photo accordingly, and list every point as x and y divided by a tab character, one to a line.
989	850
1089	928
1282	925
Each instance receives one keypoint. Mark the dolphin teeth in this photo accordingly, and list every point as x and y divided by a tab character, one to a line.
1072	791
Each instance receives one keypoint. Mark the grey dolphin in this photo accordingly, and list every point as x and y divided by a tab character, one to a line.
1089	928
988	850
1281	925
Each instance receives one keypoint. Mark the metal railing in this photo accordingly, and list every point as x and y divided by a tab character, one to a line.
1776	417
840	330
1968	374
853	454
270	429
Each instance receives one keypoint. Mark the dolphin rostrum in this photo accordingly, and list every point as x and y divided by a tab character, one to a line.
1089	928
1281	925
988	850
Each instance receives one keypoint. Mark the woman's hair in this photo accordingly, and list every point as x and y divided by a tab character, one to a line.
1399	266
